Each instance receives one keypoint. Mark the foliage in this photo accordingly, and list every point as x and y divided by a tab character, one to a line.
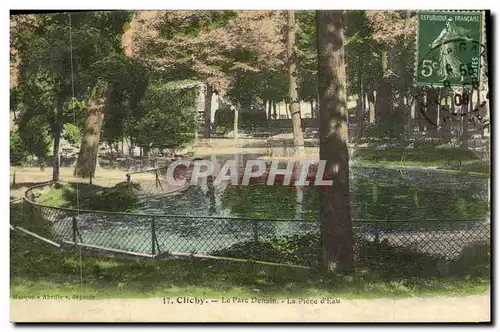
18	150
54	73
390	129
388	25
252	201
295	250
307	55
423	152
35	134
165	117
255	117
209	45
127	81
123	196
72	134
362	59
474	259
379	258
223	120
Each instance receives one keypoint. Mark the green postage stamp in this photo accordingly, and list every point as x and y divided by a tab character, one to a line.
449	48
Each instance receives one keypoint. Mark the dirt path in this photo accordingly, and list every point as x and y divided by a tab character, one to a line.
26	177
475	308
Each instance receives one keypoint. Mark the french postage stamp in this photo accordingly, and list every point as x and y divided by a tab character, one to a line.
450	48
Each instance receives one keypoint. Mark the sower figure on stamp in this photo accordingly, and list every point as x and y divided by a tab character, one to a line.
449	64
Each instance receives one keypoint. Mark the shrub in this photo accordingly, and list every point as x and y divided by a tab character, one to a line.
295	250
474	259
391	128
122	197
72	134
18	152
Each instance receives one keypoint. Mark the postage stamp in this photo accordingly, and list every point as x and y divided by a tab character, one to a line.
449	48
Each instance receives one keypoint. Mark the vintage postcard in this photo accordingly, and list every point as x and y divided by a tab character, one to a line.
250	166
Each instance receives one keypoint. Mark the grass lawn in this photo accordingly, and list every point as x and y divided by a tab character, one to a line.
37	269
65	195
445	158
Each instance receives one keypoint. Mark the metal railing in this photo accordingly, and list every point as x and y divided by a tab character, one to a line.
156	236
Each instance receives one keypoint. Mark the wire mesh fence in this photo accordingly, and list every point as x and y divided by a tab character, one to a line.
279	241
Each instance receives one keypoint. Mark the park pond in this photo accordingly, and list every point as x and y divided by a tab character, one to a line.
400	205
376	194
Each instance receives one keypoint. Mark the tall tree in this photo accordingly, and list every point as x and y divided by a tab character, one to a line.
210	46
298	138
307	56
388	27
67	60
42	53
337	242
165	117
104	79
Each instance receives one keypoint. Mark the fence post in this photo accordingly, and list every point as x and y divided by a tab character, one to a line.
153	235
255	231
24	211
75	228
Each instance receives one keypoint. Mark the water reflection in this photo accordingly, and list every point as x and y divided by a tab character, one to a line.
376	194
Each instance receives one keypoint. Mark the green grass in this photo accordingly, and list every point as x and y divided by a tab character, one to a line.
443	157
37	269
65	195
477	167
90	197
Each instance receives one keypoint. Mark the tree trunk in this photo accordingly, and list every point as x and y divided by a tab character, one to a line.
87	158
466	109
419	105
412	110
131	149
432	109
383	102
145	152
275	112
57	139
208	111
337	241
439	123
360	112
235	123
299	202
312	108
298	137
371	106
363	98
